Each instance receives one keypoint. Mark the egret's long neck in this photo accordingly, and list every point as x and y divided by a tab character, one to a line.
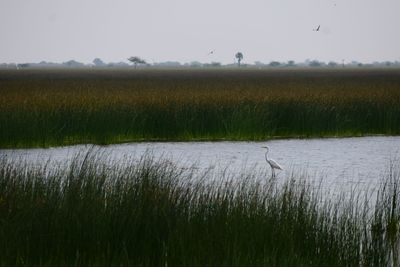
266	154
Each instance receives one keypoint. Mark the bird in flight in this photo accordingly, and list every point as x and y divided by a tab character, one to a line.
317	29
211	52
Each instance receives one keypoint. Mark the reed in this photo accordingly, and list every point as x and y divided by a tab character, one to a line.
59	107
152	213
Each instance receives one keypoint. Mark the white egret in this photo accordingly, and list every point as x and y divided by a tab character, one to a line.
274	165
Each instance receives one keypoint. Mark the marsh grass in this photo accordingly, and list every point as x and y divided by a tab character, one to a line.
153	213
56	107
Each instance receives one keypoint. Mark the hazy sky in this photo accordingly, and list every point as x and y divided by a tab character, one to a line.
186	30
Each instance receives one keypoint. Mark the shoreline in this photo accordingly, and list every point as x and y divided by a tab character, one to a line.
198	140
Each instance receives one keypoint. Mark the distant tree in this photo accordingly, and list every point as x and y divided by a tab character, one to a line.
215	64
98	62
332	64
136	61
73	64
195	64
239	57
274	64
23	65
315	63
291	63
388	63
212	64
168	64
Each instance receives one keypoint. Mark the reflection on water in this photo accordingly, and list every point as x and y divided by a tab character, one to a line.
342	163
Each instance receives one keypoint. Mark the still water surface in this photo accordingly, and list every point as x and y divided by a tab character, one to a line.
340	162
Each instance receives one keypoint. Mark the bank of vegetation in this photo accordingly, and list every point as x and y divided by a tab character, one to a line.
59	107
152	213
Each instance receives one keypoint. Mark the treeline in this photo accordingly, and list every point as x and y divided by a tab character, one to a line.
98	63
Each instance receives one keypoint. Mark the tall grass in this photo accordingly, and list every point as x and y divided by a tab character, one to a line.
154	214
48	107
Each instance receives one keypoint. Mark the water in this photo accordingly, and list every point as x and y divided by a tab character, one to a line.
341	163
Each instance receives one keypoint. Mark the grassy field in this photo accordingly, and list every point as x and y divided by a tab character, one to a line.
155	214
57	107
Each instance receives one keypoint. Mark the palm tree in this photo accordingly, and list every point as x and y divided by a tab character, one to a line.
239	57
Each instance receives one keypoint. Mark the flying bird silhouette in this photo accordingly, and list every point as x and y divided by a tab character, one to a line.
317	29
211	52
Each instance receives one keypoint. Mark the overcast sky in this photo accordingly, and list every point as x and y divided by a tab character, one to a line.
186	30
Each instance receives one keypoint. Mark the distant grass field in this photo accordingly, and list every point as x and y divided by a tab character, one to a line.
152	213
58	107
